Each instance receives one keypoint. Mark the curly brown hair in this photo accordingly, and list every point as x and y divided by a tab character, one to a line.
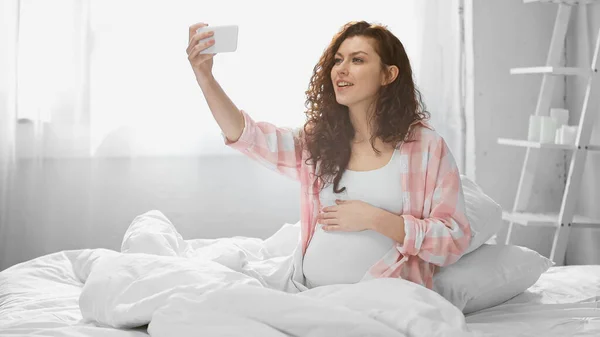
328	131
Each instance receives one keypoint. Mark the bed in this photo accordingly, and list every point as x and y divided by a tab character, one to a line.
72	293
565	301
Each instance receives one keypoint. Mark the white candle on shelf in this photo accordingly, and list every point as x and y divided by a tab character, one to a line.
560	115
535	123
547	129
558	137
569	134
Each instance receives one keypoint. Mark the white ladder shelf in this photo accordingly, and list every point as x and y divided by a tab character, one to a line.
565	218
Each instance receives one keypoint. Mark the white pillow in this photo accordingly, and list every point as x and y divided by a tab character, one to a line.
489	276
484	214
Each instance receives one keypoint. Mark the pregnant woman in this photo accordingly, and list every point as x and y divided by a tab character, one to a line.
381	192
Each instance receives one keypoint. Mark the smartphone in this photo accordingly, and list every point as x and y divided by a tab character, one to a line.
225	39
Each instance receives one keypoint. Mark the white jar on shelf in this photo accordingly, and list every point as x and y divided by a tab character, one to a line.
547	129
560	115
570	134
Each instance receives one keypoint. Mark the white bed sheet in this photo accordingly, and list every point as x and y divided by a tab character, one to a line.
226	287
40	297
565	301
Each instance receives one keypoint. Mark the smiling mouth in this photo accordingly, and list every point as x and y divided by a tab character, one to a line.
344	84
343	87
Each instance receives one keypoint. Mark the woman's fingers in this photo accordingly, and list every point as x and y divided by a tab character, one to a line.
195	40
194	27
329	222
332	228
200	47
327	215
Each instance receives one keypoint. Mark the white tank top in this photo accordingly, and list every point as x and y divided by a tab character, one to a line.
345	257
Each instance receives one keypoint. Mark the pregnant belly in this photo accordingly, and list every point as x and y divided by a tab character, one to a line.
342	257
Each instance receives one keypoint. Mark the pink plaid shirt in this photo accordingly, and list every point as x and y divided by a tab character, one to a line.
435	222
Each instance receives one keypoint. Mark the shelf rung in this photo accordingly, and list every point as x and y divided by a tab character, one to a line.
567	2
530	219
586	225
547	220
538	145
552	71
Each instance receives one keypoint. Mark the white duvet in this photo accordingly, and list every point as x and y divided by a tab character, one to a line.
243	287
165	286
207	287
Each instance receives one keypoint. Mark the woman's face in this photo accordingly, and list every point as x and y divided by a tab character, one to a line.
356	73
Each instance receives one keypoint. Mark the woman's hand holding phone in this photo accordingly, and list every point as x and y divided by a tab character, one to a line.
201	63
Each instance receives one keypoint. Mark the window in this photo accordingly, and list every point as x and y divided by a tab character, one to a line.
114	75
141	76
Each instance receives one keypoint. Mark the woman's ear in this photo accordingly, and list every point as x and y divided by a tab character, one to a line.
392	73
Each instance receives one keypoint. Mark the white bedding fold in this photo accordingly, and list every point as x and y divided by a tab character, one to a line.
243	286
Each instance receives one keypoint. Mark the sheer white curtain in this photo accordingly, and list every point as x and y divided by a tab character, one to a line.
142	82
8	24
7	111
90	80
440	72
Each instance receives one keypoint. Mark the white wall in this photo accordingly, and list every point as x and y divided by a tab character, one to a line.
94	201
508	34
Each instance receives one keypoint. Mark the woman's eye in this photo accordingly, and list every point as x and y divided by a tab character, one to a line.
356	59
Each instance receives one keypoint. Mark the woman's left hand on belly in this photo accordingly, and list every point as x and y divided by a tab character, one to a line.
349	216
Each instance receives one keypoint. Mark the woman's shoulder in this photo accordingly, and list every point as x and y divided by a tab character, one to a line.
424	134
